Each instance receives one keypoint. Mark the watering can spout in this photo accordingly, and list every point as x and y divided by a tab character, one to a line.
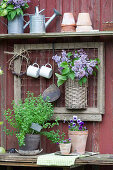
56	13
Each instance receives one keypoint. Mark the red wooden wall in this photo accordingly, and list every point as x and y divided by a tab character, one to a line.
100	133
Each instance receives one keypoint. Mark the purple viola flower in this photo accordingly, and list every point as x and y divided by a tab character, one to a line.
69	126
57	143
78	121
80	127
74	117
69	139
71	121
74	124
64	141
81	123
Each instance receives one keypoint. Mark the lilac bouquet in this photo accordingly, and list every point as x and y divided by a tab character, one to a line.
11	8
76	124
75	65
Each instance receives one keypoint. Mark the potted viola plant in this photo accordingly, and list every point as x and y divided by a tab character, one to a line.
78	134
59	138
75	68
12	10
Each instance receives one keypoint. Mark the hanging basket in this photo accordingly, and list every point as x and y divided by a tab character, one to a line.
75	95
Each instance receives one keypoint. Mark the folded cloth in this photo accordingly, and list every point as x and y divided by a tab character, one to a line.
56	160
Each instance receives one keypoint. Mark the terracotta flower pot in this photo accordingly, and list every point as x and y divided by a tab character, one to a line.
65	148
68	23
84	19
84	28
78	140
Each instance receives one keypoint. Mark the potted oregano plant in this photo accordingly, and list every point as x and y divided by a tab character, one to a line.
75	68
22	116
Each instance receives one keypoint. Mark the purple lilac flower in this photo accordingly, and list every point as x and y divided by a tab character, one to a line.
18	3
78	64
93	63
56	58
81	73
74	117
64	54
90	70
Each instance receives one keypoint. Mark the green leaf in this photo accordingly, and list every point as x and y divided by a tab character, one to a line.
64	64
94	73
98	60
69	54
84	79
65	71
61	77
13	14
60	82
80	82
71	75
96	67
18	11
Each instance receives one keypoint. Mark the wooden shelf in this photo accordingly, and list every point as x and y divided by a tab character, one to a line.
57	35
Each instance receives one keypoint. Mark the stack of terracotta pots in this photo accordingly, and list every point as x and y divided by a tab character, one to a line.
84	23
68	23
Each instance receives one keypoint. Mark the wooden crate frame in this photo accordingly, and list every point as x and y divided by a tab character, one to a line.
90	114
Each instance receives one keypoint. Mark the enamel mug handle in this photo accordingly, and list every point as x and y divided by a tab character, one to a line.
35	64
48	65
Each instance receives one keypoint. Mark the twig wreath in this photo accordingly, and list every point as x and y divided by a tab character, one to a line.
23	54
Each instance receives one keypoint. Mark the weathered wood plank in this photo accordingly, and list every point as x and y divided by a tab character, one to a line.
57	35
101	159
14	159
83	117
63	110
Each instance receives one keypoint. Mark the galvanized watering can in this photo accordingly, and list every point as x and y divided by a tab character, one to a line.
37	21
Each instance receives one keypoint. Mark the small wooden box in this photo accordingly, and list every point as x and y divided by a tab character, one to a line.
108	26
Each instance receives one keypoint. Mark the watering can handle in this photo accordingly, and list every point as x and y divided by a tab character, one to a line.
36	11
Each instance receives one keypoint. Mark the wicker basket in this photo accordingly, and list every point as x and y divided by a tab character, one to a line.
75	95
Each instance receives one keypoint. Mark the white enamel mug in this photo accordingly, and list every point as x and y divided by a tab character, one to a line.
33	70
46	71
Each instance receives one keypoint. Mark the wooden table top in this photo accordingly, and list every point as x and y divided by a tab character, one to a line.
14	159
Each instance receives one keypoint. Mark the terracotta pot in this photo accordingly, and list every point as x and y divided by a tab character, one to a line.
78	140
68	28
84	19
68	19
84	28
65	148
